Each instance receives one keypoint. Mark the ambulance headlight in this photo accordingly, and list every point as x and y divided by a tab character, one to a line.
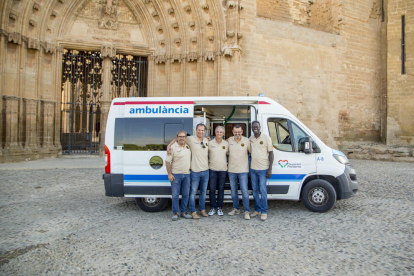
340	156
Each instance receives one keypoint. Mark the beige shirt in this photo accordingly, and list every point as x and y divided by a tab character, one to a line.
217	155
260	151
199	155
238	155
180	158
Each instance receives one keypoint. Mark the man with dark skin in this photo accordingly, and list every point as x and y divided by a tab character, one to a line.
260	169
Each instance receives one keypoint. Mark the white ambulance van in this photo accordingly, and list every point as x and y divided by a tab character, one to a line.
139	130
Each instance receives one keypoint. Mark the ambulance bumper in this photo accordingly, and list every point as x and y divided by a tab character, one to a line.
348	185
114	184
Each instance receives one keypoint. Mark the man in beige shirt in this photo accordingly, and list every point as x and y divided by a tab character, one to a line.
217	152
239	148
178	168
199	169
260	169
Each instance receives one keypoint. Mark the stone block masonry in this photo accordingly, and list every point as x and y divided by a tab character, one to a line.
336	65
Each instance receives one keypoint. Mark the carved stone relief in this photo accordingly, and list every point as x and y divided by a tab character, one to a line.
160	59
13	16
109	16
36	7
108	51
209	56
15	38
192	56
49	48
176	57
33	43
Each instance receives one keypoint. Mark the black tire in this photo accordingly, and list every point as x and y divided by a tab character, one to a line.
319	196
151	204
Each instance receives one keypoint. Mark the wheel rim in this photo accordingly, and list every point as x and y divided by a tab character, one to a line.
318	196
150	201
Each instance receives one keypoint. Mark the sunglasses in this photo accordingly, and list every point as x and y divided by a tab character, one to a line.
202	144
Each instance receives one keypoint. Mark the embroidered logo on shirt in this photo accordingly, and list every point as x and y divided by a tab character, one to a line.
242	145
261	142
224	147
187	147
206	145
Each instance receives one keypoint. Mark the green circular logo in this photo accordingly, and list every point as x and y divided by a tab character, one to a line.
156	162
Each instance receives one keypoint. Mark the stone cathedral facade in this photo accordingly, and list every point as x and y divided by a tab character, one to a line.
343	67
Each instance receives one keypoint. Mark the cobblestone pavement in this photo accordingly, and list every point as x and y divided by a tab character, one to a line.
58	221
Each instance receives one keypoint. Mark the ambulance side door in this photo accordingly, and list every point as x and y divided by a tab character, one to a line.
290	167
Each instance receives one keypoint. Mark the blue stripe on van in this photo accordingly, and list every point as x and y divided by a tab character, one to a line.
145	178
286	177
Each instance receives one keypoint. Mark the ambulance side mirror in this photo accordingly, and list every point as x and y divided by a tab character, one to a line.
305	145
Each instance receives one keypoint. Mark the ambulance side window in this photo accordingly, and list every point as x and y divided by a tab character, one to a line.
279	133
297	134
170	131
148	134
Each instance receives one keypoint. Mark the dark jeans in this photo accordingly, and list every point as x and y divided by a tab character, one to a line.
217	179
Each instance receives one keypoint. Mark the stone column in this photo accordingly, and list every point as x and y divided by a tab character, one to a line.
151	76
48	123
11	111
108	52
30	106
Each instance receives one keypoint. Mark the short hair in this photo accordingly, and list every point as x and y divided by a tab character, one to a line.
237	126
201	124
222	127
256	122
182	131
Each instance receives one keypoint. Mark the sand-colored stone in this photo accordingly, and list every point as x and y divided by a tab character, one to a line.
336	65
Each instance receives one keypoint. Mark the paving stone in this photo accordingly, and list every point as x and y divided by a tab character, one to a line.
58	221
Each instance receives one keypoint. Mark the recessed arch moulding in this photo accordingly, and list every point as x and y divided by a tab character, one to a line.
192	48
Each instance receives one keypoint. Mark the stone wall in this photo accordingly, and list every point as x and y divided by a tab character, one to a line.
318	15
334	64
380	152
330	81
400	87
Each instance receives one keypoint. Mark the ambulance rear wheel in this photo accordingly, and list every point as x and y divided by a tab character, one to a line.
151	204
319	196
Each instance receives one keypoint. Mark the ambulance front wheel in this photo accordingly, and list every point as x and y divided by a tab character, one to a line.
319	196
151	204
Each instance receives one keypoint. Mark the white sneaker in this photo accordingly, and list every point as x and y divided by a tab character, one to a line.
212	212
220	212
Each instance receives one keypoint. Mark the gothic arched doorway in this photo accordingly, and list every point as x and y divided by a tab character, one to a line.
81	95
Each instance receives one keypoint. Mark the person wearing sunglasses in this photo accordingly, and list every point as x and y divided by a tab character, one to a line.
217	152
199	169
178	168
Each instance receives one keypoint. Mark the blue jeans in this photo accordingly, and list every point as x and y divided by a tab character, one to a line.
198	178
217	179
243	179
181	182
259	180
